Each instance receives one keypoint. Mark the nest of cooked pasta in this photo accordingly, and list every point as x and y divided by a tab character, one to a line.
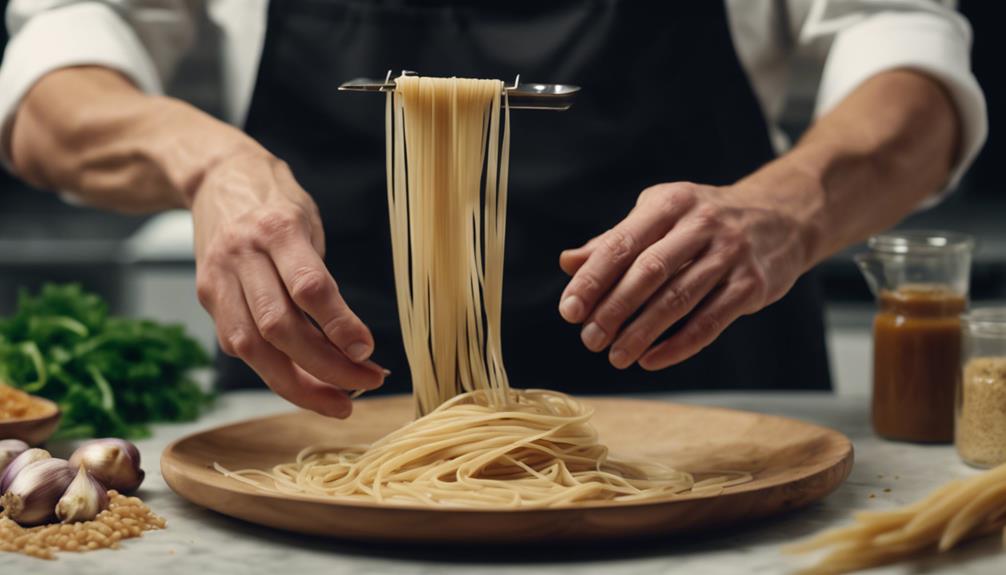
537	451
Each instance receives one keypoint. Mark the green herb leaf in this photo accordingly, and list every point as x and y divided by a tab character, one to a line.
110	375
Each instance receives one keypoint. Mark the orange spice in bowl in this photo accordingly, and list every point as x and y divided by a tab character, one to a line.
16	404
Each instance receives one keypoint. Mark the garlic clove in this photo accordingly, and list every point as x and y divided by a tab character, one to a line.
83	500
113	462
32	496
26	458
10	449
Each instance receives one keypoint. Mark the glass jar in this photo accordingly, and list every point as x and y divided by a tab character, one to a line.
920	279
980	431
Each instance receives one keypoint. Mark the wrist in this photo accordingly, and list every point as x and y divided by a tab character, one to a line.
793	188
188	145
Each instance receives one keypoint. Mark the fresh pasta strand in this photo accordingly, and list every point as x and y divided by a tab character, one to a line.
960	510
444	136
477	443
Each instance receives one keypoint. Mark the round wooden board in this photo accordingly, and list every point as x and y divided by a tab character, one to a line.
793	464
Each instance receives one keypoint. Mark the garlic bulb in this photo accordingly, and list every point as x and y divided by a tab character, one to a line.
23	460
83	500
113	462
9	449
32	496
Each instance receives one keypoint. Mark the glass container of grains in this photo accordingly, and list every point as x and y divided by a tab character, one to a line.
980	431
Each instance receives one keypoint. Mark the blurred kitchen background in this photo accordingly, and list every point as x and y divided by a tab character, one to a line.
144	265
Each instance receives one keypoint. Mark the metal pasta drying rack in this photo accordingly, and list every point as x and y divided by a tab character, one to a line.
522	96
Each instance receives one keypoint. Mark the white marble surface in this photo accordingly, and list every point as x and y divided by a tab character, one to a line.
198	541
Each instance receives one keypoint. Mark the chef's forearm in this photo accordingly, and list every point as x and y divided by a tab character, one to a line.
90	132
862	167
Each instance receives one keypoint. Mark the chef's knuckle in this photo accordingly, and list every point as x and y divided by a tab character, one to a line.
732	235
280	165
225	346
727	251
707	217
586	285
720	259
618	245
675	300
273	323
205	290
656	197
340	327
275	225
745	290
647	195
668	205
686	194
652	268
233	243
707	325
240	343
309	285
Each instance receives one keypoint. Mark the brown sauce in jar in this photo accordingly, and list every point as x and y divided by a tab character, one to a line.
916	357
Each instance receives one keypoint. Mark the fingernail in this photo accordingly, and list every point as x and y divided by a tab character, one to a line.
386	372
571	308
358	351
346	410
619	358
593	336
374	367
644	361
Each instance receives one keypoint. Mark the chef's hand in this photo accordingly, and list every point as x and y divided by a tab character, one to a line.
260	274
259	240
700	255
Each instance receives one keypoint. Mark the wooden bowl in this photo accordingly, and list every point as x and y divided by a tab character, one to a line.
793	464
32	430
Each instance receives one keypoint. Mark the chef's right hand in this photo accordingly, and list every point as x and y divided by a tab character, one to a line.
259	246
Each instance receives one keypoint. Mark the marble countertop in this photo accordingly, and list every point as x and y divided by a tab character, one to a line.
198	541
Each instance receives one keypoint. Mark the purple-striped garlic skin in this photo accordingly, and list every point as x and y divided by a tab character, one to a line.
112	461
83	500
26	458
10	449
32	496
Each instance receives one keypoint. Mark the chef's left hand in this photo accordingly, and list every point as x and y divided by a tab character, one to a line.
686	252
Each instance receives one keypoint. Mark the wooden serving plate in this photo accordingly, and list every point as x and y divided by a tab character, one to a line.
793	464
32	430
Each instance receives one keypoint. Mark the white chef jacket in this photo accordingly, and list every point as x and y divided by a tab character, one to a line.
851	40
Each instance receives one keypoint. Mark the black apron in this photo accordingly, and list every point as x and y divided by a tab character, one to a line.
664	99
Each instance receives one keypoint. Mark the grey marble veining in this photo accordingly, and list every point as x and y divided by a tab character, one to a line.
198	541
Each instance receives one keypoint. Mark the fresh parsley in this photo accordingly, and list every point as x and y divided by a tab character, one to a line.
110	375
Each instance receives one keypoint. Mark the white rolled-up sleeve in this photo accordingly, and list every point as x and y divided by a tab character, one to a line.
142	39
870	37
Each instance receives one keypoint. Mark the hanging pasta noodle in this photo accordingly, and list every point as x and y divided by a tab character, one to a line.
443	136
959	510
476	442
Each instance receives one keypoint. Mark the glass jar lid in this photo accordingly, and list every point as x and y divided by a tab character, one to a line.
986	322
921	242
